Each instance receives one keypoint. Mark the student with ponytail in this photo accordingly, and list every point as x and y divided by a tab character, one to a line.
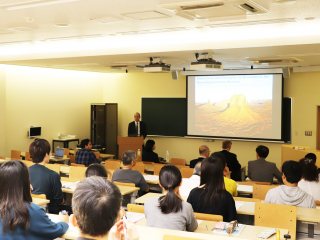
170	211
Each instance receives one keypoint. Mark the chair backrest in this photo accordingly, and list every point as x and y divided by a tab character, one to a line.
72	159
178	161
97	154
139	166
66	151
124	184
135	208
208	217
244	199
157	167
77	173
27	156
15	154
42	196
27	163
54	167
276	215
186	172
112	164
260	190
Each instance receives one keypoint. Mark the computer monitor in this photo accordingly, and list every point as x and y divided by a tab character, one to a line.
34	132
59	152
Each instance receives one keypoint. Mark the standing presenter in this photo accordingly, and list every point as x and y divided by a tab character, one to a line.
137	128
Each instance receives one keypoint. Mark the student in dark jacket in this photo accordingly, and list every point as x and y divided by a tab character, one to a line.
148	153
232	161
211	197
44	180
20	219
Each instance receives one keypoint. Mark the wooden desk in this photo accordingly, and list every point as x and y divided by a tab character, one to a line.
40	201
69	187
244	189
203	231
105	156
63	160
151	179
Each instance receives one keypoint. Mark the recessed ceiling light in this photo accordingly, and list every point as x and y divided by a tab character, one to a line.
33	4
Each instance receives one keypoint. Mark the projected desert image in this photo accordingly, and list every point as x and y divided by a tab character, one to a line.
234	117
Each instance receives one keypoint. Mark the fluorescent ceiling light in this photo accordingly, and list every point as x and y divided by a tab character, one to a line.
34	4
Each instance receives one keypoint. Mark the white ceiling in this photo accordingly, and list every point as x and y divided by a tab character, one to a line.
129	32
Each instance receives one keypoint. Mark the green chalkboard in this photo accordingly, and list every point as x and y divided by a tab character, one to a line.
165	116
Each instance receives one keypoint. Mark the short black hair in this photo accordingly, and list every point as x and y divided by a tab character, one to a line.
96	203
96	169
292	171
84	142
312	157
149	145
262	151
128	157
38	149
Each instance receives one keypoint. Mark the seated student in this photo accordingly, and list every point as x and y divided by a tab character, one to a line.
313	157
230	184
170	211
126	174
44	180
85	155
261	170
211	197
290	193
204	152
148	153
310	178
19	217
96	205
96	169
190	183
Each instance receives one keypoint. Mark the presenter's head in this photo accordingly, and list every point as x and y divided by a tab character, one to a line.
137	117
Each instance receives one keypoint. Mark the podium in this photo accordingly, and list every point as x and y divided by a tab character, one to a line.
129	143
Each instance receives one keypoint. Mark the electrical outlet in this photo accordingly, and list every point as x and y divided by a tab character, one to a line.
308	133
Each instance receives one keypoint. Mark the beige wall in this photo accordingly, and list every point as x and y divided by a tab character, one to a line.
32	99
2	113
57	100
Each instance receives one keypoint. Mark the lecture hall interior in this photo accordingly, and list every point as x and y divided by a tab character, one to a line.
59	57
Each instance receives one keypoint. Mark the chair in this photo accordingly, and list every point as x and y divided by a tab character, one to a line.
72	159
178	161
244	199
156	168
276	215
139	166
260	191
112	164
208	217
66	151
15	155
27	157
54	167
77	173
135	208
186	172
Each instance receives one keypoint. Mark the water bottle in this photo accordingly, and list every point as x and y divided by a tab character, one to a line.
167	156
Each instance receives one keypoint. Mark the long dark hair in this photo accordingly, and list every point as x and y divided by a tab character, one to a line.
170	178
149	145
309	170
212	179
14	195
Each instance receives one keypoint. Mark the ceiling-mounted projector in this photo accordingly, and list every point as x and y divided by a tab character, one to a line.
156	67
205	64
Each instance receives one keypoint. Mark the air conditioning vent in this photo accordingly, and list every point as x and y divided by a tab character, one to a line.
274	61
201	6
248	7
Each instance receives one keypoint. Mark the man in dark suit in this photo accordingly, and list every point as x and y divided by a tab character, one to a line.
204	152
137	128
261	170
232	161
